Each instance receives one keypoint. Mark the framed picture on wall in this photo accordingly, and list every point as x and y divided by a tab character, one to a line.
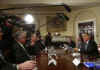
55	24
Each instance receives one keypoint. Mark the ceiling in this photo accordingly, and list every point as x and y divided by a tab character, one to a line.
45	4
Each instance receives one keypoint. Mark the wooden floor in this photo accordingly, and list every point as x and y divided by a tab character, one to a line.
64	62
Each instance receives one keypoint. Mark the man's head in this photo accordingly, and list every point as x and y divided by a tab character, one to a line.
85	37
20	36
34	37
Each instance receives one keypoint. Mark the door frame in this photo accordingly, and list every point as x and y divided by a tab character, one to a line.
83	21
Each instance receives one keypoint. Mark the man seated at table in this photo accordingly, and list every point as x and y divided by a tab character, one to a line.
35	46
4	65
19	51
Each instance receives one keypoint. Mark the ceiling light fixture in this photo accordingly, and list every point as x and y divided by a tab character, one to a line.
29	19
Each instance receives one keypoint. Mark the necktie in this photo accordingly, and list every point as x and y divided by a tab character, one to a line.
86	45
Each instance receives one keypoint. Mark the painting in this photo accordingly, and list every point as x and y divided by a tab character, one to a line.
55	24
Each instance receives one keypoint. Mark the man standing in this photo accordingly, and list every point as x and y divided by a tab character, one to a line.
88	46
48	40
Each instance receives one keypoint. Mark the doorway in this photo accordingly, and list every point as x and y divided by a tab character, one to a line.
87	26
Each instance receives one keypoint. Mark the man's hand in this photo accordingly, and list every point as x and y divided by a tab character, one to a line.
28	65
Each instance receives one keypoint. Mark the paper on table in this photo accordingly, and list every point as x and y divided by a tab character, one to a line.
52	61
76	61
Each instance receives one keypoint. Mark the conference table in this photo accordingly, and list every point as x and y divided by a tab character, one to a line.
64	61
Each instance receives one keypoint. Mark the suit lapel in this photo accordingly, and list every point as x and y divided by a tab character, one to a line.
23	48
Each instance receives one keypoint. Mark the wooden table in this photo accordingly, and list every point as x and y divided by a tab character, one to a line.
85	68
64	62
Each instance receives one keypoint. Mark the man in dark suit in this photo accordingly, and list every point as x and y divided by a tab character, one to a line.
4	65
88	46
19	51
35	45
48	40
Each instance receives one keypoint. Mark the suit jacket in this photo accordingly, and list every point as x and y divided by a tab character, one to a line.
19	53
36	48
91	48
48	40
41	44
6	66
